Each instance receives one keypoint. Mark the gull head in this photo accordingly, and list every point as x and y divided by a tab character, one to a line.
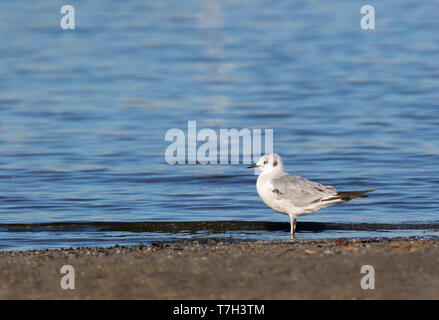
268	163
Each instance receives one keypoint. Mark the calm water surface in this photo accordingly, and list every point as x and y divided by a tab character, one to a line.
84	112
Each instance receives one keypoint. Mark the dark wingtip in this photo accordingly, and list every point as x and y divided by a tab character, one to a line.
366	191
355	192
350	195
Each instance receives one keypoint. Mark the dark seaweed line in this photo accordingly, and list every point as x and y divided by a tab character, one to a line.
214	226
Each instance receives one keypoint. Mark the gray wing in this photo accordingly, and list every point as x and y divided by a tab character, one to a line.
300	191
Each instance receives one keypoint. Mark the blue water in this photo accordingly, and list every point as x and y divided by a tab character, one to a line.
84	112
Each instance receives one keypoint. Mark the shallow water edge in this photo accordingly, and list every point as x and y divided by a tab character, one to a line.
105	234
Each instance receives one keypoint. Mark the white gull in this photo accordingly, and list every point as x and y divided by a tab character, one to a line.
294	195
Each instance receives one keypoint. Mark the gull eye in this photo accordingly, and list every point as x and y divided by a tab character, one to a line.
266	161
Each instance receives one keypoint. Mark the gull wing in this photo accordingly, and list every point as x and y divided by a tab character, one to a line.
300	191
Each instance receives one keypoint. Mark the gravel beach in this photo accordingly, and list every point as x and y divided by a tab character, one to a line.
223	269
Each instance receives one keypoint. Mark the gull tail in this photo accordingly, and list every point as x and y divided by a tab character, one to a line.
347	195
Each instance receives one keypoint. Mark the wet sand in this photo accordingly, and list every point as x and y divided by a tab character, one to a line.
223	269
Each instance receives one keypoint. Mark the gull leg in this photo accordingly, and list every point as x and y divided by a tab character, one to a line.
293	226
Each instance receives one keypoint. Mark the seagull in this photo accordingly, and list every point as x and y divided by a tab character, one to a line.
294	195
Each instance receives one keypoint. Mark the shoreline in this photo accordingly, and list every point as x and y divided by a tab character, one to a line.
221	268
216	226
55	235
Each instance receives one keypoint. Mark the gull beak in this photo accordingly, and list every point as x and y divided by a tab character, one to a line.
252	166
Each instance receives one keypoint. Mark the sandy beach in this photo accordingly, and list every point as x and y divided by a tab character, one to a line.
221	269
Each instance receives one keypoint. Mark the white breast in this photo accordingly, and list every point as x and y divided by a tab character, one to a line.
265	191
